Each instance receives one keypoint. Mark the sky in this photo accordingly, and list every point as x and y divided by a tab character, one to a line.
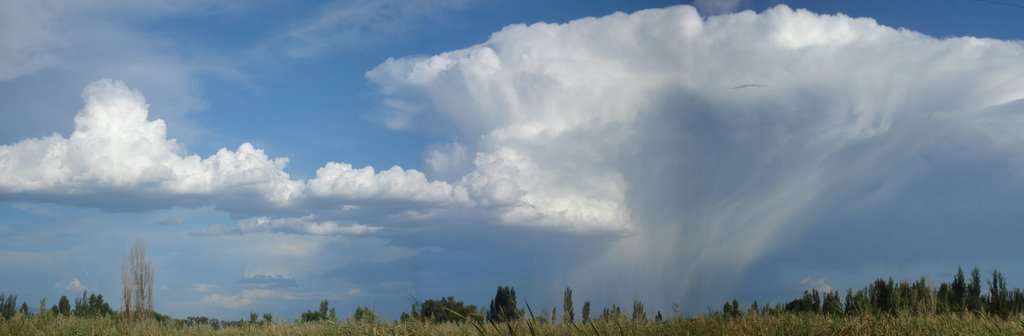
273	154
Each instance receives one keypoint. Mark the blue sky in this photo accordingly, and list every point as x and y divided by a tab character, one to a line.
274	154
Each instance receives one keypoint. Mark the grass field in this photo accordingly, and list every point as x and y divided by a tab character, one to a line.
788	324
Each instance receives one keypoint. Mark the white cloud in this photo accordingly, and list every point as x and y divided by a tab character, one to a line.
819	284
244	298
256	296
341	180
73	285
306	225
202	287
114	146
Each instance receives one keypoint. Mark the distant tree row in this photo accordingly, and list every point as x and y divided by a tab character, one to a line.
891	297
446	309
505	308
88	305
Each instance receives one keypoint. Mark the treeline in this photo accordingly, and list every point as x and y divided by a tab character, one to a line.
962	295
505	308
88	305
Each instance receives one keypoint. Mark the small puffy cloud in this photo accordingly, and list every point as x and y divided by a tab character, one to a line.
306	225
819	284
341	180
73	285
243	298
202	287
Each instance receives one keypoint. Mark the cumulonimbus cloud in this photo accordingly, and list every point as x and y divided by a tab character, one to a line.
707	137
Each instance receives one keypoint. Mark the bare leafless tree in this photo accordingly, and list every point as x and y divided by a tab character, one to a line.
137	282
126	288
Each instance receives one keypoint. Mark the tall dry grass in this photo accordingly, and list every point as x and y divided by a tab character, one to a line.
788	324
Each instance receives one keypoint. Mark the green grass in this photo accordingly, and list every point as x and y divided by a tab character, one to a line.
788	324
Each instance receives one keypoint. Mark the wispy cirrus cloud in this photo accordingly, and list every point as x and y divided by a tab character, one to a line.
356	24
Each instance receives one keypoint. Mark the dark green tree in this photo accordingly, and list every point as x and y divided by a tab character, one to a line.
815	301
24	309
832	304
882	296
503	306
267	319
944	297
195	321
639	314
998	296
325	313
91	305
8	305
613	313
568	313
810	303
848	304
365	315
448	310
958	291
974	301
64	306
585	313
